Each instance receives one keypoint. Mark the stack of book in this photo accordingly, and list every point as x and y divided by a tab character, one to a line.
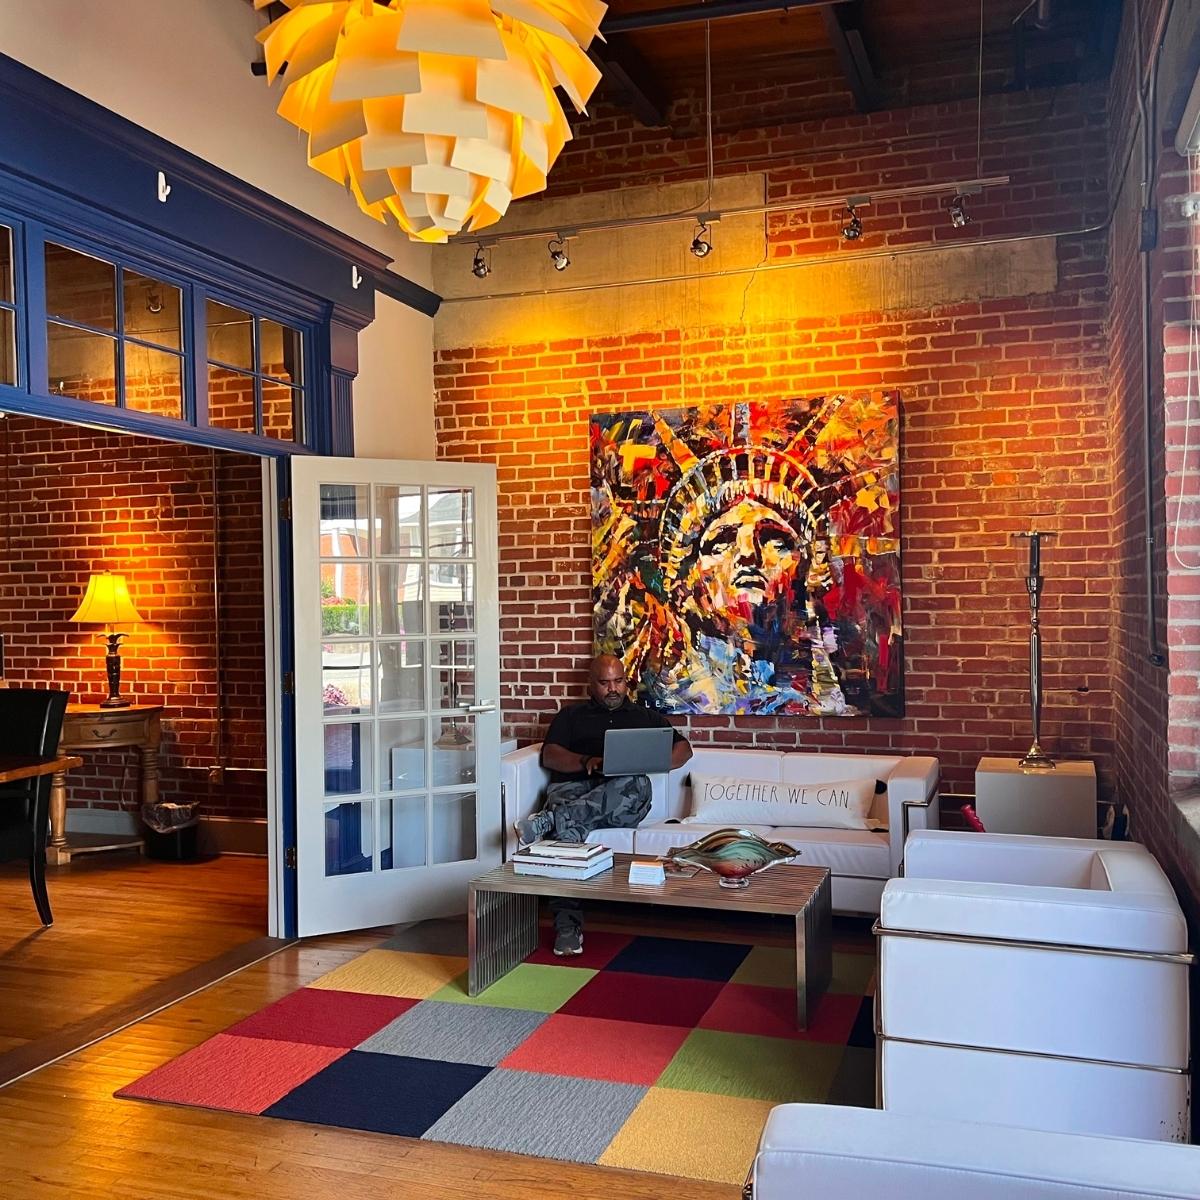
562	860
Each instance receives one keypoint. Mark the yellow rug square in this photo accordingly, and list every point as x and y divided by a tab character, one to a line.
394	973
693	1134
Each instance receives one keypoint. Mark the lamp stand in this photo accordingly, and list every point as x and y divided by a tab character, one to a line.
1035	757
112	666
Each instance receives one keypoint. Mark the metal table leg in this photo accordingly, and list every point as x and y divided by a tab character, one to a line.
814	952
502	928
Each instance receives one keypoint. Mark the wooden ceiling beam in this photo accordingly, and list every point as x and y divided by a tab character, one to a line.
843	27
626	71
694	14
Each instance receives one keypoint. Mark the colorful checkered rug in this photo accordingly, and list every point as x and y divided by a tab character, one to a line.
653	1053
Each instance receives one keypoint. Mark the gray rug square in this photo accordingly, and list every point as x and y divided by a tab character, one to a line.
547	1115
444	935
458	1033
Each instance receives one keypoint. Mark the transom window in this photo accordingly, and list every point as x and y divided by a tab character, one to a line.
8	309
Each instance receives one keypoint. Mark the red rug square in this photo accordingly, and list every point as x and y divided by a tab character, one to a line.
592	1048
324	1017
240	1074
648	999
599	949
771	1012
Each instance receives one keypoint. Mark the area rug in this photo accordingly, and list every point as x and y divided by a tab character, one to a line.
652	1053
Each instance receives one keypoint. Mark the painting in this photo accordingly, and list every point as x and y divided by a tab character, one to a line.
746	557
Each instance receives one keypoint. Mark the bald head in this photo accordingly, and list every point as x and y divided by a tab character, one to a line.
606	681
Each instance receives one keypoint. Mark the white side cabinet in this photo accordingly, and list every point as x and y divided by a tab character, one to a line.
1058	802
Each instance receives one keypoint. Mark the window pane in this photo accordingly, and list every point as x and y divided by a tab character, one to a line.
347	758
230	335
454	752
402	832
401	599
454	827
452	596
348	838
6	264
153	310
80	288
280	403
453	673
401	676
345	599
346	678
344	517
152	381
231	400
8	347
451	528
82	364
281	352
398	521
402	755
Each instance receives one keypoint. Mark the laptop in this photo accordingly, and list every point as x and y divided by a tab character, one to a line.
637	751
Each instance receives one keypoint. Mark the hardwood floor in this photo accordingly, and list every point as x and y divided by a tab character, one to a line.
63	1135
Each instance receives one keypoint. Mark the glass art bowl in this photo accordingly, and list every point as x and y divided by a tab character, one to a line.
733	855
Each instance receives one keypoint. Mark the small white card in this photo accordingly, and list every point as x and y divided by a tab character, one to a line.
647	872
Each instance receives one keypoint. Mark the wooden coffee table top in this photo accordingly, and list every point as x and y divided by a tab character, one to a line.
784	890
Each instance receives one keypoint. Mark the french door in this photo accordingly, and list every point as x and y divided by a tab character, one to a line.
397	671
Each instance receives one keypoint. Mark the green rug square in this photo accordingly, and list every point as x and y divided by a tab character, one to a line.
758	1068
775	966
531	986
852	973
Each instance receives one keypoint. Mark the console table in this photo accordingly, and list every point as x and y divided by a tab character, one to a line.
91	727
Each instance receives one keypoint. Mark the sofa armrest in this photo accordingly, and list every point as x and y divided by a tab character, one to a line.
835	1152
912	793
523	779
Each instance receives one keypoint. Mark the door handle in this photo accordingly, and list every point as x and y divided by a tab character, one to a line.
486	706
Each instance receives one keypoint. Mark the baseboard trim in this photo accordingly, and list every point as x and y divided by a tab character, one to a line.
217	835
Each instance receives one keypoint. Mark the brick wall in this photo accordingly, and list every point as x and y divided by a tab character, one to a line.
77	500
1004	422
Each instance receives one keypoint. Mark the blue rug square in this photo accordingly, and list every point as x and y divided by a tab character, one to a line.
383	1093
680	958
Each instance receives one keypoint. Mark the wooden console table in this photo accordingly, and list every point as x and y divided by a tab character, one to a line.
90	727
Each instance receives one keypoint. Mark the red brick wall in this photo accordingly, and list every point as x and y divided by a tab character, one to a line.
1004	421
79	500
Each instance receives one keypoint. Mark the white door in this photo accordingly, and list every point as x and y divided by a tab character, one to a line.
397	673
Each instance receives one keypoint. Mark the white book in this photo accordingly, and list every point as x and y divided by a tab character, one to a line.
571	850
586	871
571	864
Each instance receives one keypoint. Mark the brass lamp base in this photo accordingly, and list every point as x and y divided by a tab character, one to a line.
116	702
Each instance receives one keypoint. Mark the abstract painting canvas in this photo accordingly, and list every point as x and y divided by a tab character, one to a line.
746	557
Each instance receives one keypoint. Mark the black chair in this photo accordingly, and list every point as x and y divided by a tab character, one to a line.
30	724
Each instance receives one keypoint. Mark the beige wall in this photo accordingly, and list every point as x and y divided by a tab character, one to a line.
181	68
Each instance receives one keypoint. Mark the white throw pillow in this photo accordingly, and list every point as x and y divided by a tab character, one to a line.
841	804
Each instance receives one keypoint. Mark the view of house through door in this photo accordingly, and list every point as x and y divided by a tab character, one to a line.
396	681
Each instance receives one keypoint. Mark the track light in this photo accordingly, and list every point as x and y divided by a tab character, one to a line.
480	267
701	247
852	230
558	253
958	212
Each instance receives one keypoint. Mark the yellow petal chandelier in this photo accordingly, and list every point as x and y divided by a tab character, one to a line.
436	113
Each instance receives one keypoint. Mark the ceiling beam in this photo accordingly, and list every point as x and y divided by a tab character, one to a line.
626	71
693	14
843	27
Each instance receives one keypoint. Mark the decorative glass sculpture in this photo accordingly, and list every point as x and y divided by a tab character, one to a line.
733	855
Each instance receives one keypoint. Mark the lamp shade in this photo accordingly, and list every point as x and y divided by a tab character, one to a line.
107	602
435	113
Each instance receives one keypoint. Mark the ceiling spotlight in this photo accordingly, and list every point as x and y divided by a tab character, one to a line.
958	213
558	253
480	267
701	247
852	230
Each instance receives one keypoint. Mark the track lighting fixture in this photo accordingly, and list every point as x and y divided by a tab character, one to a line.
701	246
958	212
480	267
558	253
852	230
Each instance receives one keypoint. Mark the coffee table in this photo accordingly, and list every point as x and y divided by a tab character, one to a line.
502	915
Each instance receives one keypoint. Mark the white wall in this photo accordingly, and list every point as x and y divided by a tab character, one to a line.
181	68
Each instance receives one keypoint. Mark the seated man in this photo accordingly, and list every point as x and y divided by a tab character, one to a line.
580	798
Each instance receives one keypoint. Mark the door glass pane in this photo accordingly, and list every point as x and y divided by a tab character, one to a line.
454	751
348	758
231	400
280	405
454	827
345	517
6	264
153	309
153	381
453	673
451	524
452	597
230	335
349	839
402	754
346	678
401	598
401	676
8	346
281	351
80	288
82	364
402	832
345	599
399	522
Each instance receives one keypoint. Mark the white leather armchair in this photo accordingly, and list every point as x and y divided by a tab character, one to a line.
1034	981
811	1150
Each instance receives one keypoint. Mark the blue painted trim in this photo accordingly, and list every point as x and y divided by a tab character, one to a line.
341	415
287	713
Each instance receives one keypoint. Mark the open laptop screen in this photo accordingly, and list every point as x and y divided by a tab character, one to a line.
637	751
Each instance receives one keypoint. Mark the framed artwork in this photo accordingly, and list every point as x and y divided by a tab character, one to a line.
746	557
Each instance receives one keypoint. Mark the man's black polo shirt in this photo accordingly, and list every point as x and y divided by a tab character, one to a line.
580	728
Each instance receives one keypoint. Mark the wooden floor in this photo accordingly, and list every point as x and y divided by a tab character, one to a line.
63	1135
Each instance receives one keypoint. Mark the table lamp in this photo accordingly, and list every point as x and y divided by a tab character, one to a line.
107	602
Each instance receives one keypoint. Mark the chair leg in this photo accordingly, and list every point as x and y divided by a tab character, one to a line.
37	881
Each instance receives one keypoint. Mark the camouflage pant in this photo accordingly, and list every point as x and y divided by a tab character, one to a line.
580	806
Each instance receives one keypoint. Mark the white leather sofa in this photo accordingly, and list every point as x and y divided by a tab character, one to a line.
1035	981
837	1153
860	861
